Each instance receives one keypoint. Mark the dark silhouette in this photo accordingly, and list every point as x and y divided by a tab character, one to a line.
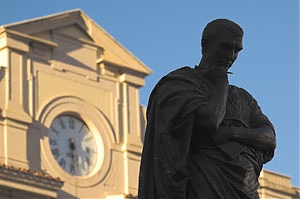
205	138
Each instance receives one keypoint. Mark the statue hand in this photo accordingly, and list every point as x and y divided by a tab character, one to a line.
216	74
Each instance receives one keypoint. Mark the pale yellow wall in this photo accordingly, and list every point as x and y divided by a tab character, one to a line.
52	72
275	185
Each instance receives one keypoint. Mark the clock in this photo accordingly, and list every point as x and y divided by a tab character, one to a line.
73	145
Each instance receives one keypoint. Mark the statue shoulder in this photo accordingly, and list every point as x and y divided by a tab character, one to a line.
239	89
182	73
242	93
182	70
184	76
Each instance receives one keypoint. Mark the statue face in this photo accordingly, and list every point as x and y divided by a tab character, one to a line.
224	50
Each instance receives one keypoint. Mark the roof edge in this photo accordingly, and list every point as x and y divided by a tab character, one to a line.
26	21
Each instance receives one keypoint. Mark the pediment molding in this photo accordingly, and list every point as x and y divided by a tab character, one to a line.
76	24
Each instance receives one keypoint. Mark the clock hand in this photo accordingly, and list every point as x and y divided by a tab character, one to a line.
74	155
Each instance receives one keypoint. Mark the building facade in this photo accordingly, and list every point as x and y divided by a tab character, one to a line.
69	105
71	124
275	185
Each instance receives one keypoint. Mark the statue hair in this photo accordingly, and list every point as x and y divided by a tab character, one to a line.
216	27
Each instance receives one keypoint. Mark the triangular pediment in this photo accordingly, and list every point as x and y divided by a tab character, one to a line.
74	31
76	24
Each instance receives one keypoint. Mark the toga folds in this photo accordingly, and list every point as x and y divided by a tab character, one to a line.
181	160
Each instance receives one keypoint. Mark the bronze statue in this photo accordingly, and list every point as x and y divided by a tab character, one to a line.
204	137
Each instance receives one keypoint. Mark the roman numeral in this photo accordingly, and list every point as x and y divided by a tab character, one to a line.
87	160
55	152
71	122
54	130
80	129
62	163
88	139
53	142
61	123
72	169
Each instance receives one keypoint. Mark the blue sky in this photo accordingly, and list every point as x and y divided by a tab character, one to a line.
165	35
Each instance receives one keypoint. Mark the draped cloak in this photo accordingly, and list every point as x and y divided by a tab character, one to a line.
181	160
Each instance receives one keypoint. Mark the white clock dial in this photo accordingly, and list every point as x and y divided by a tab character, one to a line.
73	145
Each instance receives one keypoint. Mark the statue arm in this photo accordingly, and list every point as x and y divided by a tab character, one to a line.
261	138
213	112
261	129
259	135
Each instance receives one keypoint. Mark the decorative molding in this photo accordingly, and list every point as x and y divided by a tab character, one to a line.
97	124
26	178
132	79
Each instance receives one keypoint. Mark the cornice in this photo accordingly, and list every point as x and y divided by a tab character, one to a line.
29	178
29	37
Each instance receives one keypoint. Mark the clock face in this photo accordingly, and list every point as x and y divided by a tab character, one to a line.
73	145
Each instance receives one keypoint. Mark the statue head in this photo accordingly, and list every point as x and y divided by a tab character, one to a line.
221	42
216	28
